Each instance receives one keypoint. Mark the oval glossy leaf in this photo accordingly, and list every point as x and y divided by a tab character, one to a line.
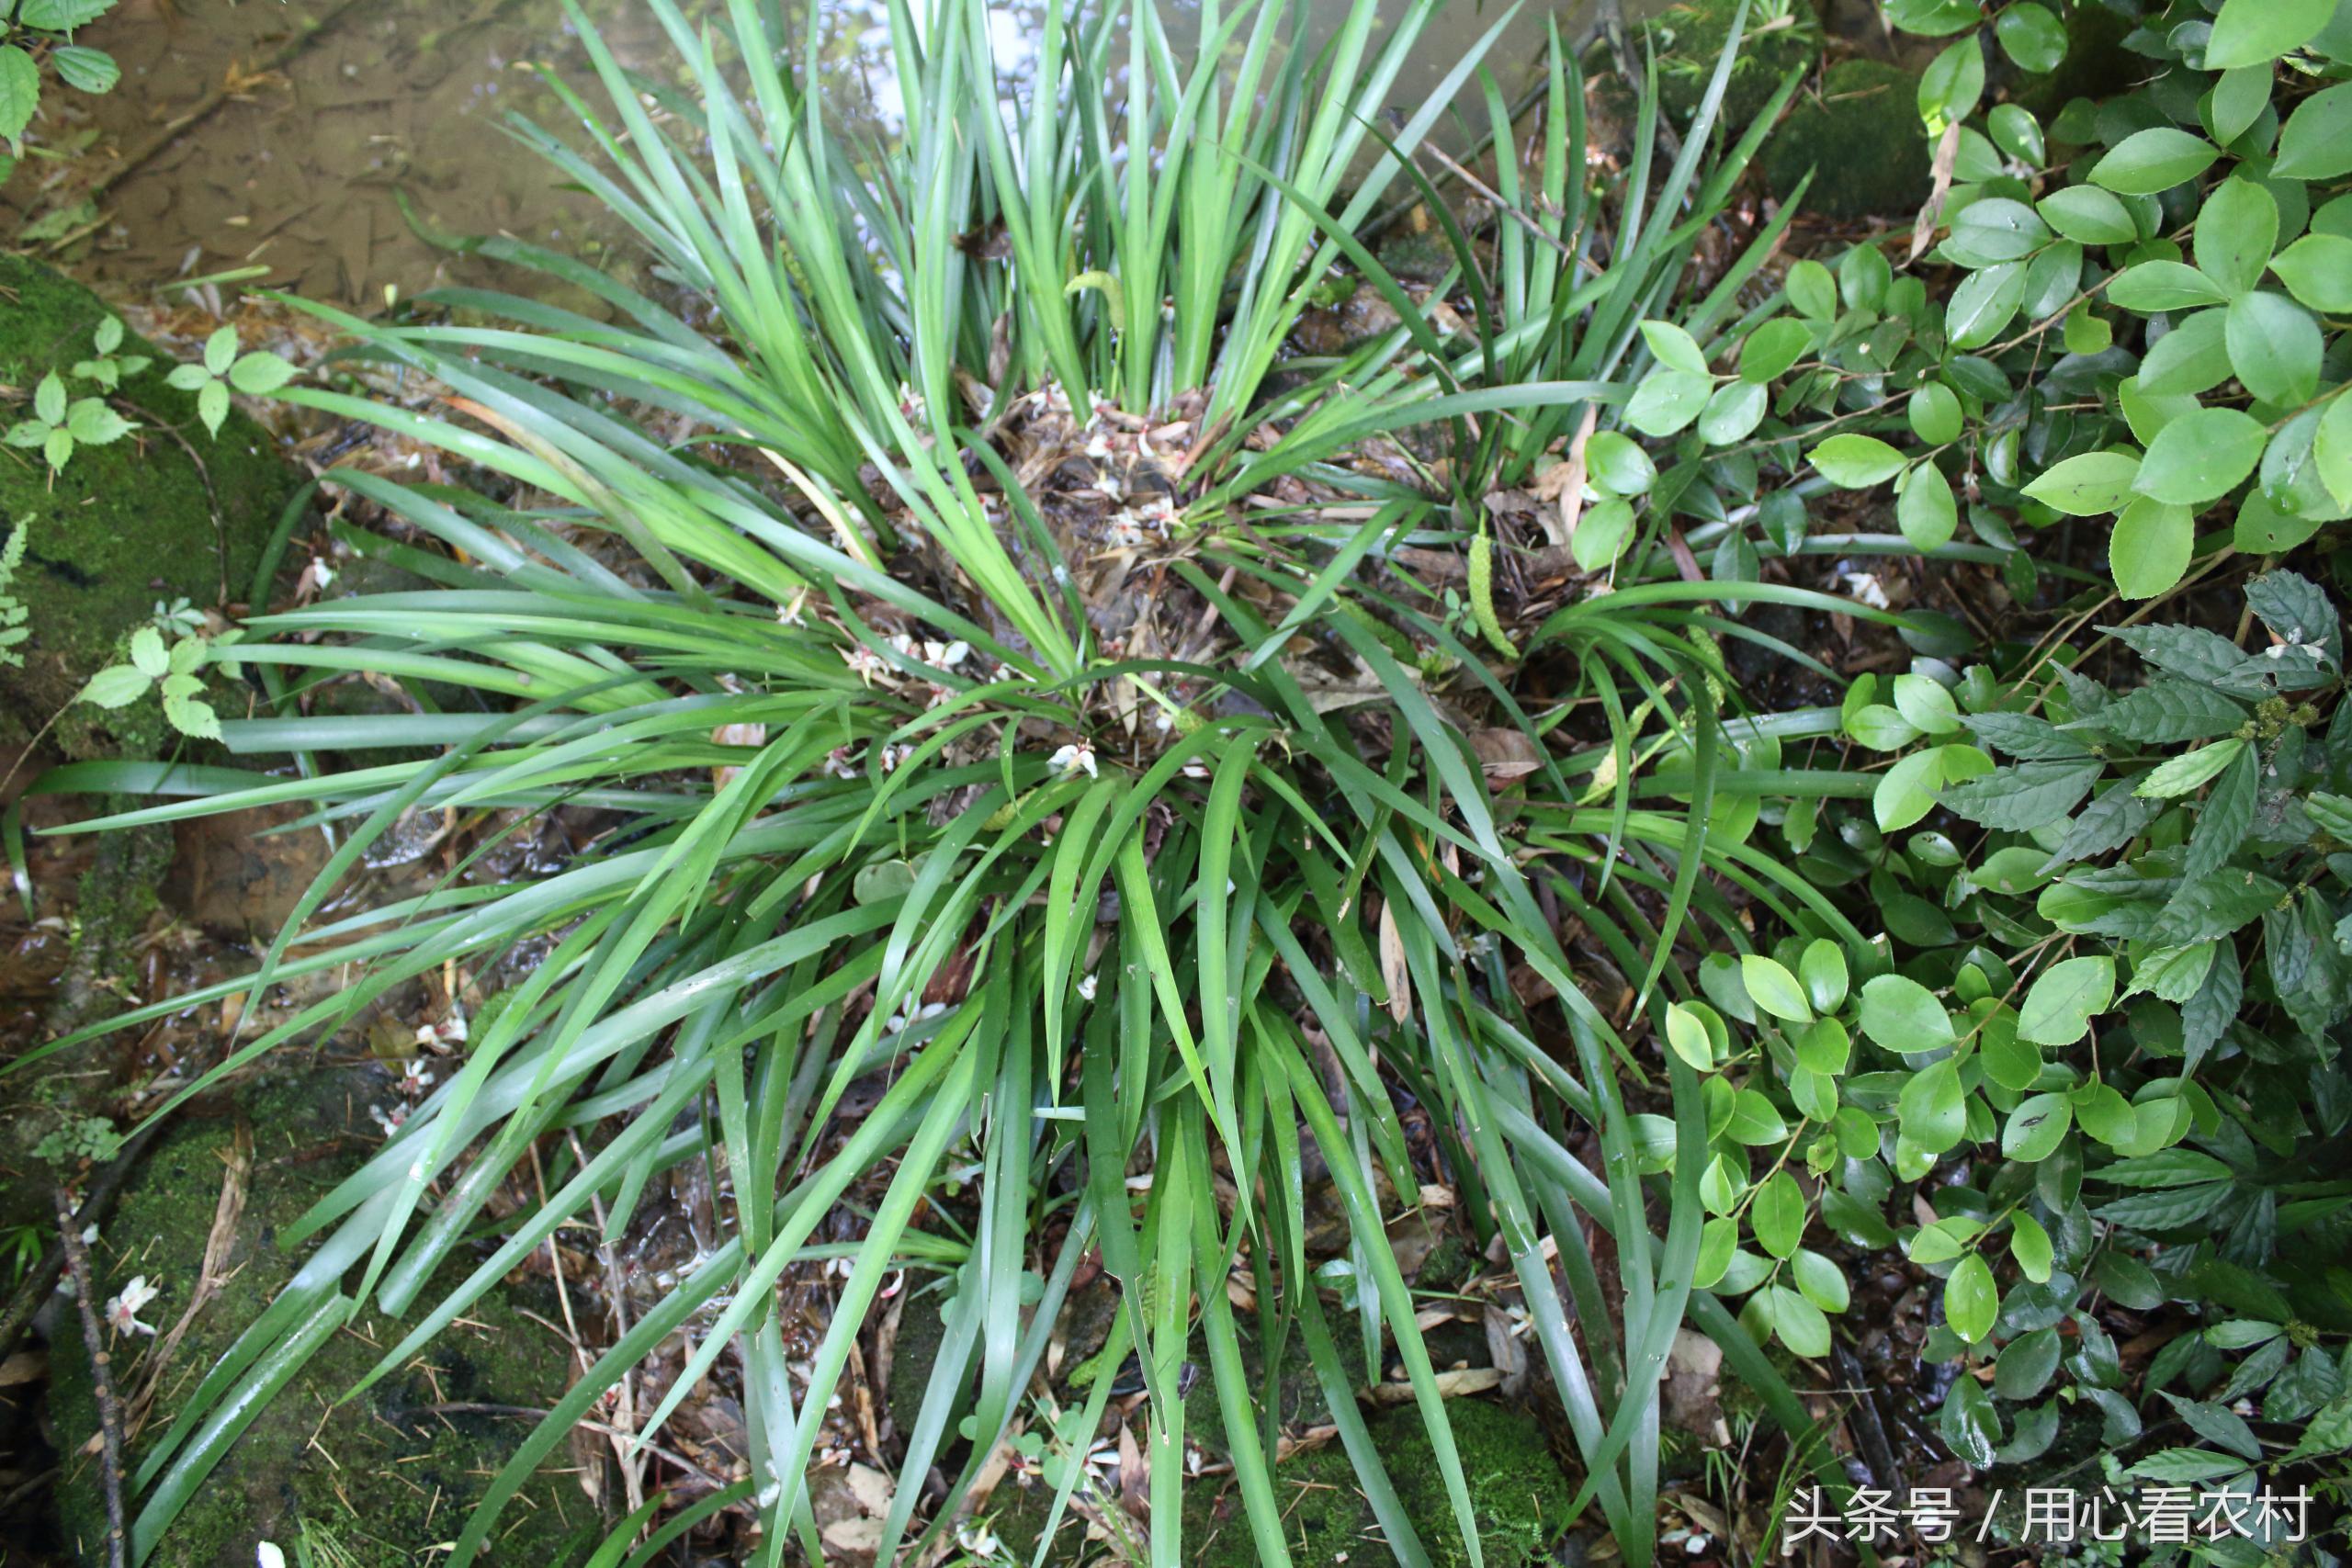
2201	456
1971	1301
2154	160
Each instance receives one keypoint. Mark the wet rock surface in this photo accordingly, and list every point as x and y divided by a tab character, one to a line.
377	1474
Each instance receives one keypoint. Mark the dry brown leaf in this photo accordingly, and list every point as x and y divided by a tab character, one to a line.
1392	965
1570	483
871	1488
1923	229
1505	1349
1505	754
1454	1384
854	1535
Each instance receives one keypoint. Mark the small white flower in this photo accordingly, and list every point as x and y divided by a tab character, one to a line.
1086	986
837	763
415	1078
266	1555
788	614
390	1121
451	1031
946	655
122	1312
1098	445
1070	759
90	1236
976	1539
864	662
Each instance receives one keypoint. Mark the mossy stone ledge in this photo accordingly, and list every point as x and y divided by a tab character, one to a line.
120	527
1861	135
1517	1491
386	1475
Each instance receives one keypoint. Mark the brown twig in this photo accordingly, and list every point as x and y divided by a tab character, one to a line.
77	1258
41	1282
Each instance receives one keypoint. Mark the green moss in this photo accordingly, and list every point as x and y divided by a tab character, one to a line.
1300	1390
122	525
1861	135
390	1473
1516	1490
1690	41
913	1355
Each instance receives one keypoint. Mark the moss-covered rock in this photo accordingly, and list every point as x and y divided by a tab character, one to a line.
1690	41
1863	137
121	526
385	1476
1516	1488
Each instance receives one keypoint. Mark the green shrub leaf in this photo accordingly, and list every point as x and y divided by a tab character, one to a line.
1970	1299
2154	160
2086	484
1856	462
2065	999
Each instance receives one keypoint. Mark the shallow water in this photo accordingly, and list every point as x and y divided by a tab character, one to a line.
288	133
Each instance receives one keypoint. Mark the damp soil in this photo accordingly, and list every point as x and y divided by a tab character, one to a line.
330	141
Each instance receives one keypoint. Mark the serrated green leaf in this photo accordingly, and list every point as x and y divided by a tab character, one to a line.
2170	709
2024	796
116	685
86	69
258	374
2180	774
19	91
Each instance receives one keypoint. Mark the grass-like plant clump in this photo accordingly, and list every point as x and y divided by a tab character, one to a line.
1067	770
